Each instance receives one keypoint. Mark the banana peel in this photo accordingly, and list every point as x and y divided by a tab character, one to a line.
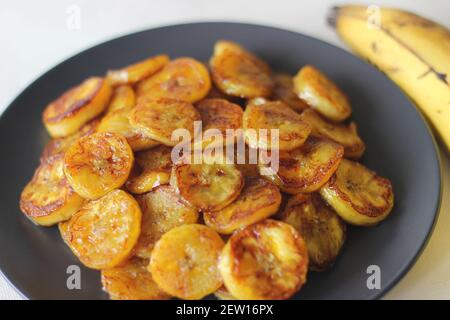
412	51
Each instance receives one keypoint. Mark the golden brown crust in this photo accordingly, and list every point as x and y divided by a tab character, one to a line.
183	79
305	169
98	163
322	229
258	200
258	262
237	72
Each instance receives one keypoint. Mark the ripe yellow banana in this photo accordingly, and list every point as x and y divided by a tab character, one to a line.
413	51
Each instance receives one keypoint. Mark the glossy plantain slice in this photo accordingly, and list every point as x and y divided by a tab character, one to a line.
48	198
138	71
345	135
218	114
237	72
132	281
261	114
248	163
184	261
321	94
154	167
284	91
223	294
161	117
208	187
123	98
258	200
358	195
305	169
97	164
267	260
320	227
183	79
103	232
75	107
162	210
117	121
59	146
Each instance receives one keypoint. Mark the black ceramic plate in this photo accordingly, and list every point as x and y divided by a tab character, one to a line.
399	146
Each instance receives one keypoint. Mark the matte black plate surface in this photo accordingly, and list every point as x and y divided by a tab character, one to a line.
399	146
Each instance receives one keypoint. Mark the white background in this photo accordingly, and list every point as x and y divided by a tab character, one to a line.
35	36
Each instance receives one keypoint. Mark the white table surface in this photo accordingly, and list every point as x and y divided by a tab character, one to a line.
36	35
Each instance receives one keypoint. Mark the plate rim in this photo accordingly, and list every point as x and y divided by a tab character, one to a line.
437	156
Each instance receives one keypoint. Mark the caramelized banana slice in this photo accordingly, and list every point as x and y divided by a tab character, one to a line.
261	114
320	227
162	210
155	166
305	169
184	261
138	71
103	232
122	98
218	114
223	294
267	260
358	195
206	186
284	91
321	94
237	72
132	281
97	164
347	136
48	198
118	122
258	200
75	107
59	146
159	118
183	79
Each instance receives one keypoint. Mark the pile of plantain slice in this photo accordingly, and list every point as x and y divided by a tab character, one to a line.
158	228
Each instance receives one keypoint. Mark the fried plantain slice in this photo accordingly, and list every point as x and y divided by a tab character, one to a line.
345	135
183	79
237	72
184	261
358	195
123	98
161	117
266	260
218	114
75	107
320	227
117	121
59	146
207	186
97	164
132	281
162	210
284	91
262	114
321	94
258	200
154	168
48	198
138	71
103	232
305	169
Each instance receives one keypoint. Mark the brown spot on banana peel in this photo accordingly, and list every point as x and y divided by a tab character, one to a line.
335	12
